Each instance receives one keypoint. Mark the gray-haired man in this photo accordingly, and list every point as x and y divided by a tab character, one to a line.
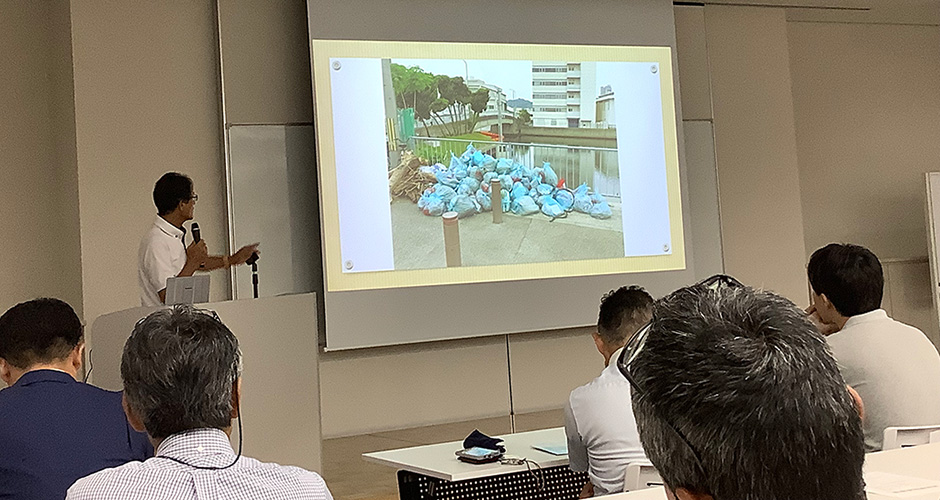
736	396
181	384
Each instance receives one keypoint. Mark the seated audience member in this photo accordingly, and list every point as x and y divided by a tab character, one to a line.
893	367
602	436
53	428
736	396
181	372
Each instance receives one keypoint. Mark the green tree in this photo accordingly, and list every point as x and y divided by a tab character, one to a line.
524	117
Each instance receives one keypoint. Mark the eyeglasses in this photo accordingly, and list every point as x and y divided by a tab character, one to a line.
194	197
637	342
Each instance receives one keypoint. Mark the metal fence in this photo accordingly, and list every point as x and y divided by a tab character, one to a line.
597	167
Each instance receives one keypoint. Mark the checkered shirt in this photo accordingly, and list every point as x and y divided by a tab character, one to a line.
163	479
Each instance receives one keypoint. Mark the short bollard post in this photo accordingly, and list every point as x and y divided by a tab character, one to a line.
496	200
451	239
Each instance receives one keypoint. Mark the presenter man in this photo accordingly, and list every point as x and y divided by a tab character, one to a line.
163	250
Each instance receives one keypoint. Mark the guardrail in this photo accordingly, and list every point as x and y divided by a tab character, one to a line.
598	167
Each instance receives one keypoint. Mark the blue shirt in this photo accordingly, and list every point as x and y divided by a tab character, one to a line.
55	430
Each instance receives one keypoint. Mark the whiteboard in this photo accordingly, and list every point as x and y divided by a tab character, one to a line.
272	180
933	236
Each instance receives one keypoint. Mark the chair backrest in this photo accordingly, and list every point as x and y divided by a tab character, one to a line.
902	437
935	437
641	475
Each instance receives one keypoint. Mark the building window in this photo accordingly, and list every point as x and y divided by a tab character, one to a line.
541	83
548	95
549	70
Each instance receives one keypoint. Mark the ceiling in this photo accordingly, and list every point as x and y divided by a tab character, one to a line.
854	11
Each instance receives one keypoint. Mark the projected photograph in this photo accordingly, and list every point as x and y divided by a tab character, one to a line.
455	163
544	131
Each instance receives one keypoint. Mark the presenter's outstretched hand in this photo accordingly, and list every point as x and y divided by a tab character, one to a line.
197	253
824	328
243	253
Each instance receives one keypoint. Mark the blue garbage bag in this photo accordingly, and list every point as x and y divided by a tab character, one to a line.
484	200
582	189
598	198
540	199
444	191
519	191
505	181
464	205
565	198
468	185
552	208
426	197
475	172
488	164
524	206
456	163
504	200
601	210
548	174
545	189
467	155
489	176
503	166
446	178
477	158
434	205
583	203
516	173
534	194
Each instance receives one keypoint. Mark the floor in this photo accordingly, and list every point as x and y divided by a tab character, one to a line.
349	477
418	239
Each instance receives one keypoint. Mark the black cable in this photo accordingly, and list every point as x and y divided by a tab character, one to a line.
200	467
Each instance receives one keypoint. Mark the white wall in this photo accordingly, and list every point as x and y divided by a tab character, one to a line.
755	141
867	102
146	102
38	203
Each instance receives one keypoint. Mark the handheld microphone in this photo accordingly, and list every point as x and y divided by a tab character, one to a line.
196	234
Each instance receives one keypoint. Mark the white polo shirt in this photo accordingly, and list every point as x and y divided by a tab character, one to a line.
601	430
162	255
893	367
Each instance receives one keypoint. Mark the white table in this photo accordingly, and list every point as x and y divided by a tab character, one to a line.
919	461
438	461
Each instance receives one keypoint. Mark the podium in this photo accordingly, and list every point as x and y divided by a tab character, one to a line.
280	404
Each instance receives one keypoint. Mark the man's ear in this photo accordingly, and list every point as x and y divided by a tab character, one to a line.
6	373
599	343
77	355
684	494
236	396
132	417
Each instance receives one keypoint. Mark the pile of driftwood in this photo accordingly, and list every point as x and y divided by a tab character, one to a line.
407	180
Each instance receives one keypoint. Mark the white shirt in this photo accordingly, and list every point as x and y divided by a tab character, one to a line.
601	430
162	255
893	367
162	479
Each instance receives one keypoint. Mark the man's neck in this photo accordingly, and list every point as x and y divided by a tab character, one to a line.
175	218
64	366
155	442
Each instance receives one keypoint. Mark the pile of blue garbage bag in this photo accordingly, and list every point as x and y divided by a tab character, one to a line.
464	187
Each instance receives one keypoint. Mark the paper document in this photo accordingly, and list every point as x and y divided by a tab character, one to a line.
898	486
553	448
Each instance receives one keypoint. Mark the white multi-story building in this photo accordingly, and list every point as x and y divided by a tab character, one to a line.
605	117
564	94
